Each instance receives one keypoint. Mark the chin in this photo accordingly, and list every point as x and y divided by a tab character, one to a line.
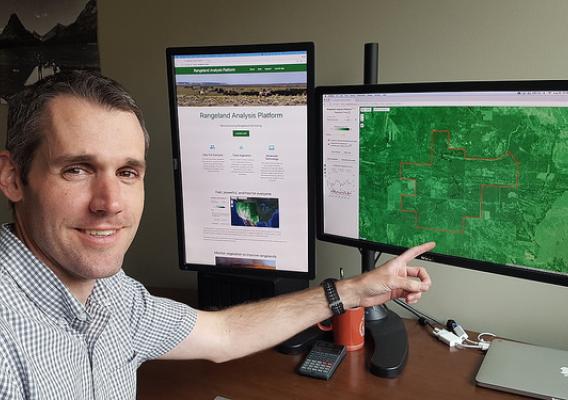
102	270
107	274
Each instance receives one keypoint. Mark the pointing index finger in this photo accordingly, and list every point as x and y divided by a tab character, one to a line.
414	252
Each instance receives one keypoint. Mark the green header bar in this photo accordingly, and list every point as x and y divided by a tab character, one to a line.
240	69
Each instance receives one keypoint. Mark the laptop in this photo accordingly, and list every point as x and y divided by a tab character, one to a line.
525	369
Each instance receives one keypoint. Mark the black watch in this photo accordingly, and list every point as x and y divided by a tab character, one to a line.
332	296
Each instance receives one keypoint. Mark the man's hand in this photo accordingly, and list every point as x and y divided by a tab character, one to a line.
392	280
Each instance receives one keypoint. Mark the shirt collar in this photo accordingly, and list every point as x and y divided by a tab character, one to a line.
38	282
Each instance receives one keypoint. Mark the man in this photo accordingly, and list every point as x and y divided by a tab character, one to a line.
72	324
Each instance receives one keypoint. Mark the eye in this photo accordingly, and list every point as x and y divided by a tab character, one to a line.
128	173
75	172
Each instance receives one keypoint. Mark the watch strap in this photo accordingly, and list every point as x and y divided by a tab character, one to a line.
332	296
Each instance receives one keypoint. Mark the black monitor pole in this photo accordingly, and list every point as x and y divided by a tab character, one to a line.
384	326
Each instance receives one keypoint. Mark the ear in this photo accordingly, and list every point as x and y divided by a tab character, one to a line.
10	183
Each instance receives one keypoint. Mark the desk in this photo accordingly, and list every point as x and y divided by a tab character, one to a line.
432	372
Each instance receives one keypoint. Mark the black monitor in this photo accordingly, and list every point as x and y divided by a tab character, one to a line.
241	119
481	168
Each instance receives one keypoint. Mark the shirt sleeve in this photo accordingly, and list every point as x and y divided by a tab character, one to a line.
157	324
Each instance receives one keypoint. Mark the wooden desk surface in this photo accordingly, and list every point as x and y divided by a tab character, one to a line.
432	372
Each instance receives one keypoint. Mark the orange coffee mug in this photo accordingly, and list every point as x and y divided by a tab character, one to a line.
348	328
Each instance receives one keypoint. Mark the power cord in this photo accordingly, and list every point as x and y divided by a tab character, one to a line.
452	333
423	319
456	336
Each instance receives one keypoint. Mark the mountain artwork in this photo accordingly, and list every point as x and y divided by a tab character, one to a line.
26	56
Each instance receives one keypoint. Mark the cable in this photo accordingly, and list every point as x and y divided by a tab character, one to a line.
457	329
454	336
460	333
423	321
483	346
416	312
447	337
480	336
379	254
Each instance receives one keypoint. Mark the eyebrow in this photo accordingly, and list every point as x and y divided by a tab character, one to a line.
86	158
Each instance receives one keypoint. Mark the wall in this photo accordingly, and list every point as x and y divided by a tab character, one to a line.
435	40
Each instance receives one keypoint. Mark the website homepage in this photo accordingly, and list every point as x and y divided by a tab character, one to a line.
243	156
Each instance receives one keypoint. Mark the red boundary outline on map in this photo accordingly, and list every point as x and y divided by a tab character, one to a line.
482	186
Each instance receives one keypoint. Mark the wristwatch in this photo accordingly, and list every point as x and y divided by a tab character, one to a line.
332	296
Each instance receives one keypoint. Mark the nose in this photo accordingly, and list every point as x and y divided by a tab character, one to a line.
106	195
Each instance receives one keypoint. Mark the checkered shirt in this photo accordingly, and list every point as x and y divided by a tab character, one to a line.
54	347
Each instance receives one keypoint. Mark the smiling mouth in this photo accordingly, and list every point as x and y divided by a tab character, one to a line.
99	233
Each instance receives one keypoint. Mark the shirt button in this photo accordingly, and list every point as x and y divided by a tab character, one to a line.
82	317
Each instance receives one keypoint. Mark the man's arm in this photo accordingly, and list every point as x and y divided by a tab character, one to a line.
238	331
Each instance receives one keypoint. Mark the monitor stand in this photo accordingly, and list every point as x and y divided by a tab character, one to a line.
382	325
220	290
387	331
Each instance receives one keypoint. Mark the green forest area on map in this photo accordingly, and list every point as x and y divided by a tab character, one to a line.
485	183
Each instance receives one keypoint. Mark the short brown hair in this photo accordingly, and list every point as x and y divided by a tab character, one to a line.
26	109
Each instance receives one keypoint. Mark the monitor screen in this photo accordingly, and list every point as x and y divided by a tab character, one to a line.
479	167
240	122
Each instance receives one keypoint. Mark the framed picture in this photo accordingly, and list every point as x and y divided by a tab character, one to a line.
40	38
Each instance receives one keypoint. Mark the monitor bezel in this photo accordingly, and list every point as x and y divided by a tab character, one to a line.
425	87
171	52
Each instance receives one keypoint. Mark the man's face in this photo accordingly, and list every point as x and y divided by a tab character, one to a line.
83	202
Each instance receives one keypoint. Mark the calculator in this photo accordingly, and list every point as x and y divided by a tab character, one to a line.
322	360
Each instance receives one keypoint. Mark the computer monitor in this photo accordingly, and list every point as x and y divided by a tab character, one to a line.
481	168
241	119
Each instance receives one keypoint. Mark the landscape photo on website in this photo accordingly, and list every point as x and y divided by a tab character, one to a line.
248	89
